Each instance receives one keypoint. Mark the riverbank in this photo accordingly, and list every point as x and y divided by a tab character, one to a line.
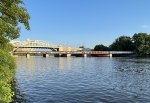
7	73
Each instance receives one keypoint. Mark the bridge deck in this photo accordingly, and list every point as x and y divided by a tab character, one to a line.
76	52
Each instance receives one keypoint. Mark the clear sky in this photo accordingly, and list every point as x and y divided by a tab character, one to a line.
85	22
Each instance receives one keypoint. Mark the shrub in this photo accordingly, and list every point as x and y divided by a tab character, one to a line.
7	71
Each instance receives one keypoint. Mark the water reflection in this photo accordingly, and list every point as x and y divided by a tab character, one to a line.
84	80
19	96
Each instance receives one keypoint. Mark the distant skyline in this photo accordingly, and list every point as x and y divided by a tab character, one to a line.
85	22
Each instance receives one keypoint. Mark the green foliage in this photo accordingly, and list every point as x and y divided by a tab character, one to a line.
5	45
139	43
7	71
123	43
12	14
101	47
142	43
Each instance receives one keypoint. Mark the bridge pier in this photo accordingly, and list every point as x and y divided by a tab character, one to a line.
110	55
63	55
84	55
27	55
45	55
68	55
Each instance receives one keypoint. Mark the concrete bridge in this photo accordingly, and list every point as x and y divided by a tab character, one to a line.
75	53
28	47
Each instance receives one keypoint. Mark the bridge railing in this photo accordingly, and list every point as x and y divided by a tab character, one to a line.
110	52
121	52
98	52
78	52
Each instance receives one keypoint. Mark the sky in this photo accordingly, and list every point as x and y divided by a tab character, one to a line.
85	22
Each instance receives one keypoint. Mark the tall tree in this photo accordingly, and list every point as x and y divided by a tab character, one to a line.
12	13
142	43
101	47
123	43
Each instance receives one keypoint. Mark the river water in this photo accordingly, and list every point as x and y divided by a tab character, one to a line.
83	80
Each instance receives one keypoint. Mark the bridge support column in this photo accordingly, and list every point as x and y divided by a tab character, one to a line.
45	55
68	55
110	55
84	55
28	55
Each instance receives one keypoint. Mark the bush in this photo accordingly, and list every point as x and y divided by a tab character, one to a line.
7	71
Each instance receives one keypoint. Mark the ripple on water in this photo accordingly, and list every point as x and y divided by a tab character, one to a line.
83	80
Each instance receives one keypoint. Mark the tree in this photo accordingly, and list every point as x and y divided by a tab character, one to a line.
12	13
81	47
142	43
123	43
101	47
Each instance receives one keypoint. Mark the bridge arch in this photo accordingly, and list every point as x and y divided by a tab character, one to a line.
29	45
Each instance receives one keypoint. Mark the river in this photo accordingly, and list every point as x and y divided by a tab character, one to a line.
83	80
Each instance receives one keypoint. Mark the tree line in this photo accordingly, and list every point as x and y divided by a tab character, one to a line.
12	14
138	43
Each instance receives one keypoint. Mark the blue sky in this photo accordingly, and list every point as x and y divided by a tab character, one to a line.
85	22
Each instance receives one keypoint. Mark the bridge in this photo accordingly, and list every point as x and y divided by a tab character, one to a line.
38	47
31	45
